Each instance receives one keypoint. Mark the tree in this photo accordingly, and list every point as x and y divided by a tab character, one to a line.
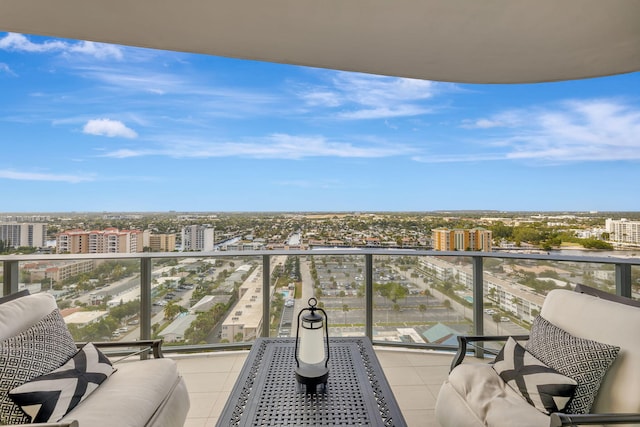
398	292
447	304
345	309
171	310
423	309
396	308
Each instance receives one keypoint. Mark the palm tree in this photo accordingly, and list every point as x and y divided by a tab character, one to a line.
423	309
171	310
447	305
345	309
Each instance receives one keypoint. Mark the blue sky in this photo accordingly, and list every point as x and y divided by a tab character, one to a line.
95	127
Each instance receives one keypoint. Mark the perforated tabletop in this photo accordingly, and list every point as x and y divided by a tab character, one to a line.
266	392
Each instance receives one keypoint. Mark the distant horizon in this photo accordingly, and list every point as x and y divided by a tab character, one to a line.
92	127
351	212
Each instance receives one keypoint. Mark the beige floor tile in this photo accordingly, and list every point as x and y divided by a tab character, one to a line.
390	358
413	397
432	374
205	381
195	422
207	364
239	362
420	418
422	358
201	404
402	375
219	404
230	381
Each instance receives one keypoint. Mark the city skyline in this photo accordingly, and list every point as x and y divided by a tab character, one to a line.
93	127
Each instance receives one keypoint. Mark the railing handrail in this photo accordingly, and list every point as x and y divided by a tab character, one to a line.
336	251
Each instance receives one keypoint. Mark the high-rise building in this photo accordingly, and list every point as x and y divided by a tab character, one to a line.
198	238
110	240
475	239
623	231
15	234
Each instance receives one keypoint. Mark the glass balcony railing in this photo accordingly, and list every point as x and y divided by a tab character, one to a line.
216	300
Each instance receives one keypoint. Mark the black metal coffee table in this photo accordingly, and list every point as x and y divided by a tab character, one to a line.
267	394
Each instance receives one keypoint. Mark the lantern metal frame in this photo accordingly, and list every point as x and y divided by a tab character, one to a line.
312	375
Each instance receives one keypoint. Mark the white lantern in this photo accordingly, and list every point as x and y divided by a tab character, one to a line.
312	347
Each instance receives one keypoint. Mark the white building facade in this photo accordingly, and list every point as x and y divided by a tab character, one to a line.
623	231
198	238
23	234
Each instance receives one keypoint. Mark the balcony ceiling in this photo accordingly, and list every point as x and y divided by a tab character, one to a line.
473	41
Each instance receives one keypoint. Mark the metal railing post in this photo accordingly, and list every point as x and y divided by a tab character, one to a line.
368	295
11	277
145	298
623	280
266	300
478	298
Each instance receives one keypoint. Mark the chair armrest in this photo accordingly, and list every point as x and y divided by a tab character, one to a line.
154	345
463	340
559	419
72	423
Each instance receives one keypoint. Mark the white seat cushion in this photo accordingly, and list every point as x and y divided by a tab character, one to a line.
492	401
20	314
607	322
135	389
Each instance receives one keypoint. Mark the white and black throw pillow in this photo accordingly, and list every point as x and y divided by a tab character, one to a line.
43	347
50	397
586	361
541	386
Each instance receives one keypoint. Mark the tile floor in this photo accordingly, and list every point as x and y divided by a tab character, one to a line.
415	377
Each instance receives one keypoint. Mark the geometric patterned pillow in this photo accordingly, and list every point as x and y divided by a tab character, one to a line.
586	361
50	397
544	388
43	347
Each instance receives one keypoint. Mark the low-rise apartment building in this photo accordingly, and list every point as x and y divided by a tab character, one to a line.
110	240
162	242
56	271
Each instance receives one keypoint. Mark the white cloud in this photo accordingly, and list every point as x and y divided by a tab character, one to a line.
31	176
373	97
504	119
4	68
322	98
19	43
375	90
572	131
108	127
384	112
97	50
458	158
276	146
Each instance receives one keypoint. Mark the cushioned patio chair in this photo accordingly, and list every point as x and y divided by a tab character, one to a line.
46	378
580	365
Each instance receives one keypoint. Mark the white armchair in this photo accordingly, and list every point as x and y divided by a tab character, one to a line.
476	395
